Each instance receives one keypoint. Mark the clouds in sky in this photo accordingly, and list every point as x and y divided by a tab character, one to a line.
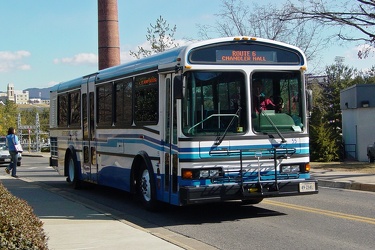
79	59
14	60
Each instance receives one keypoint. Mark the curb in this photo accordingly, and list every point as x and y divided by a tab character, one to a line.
347	185
31	155
35	154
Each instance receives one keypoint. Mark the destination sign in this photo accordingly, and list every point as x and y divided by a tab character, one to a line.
239	56
245	52
146	80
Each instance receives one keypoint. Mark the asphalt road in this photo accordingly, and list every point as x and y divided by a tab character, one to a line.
332	219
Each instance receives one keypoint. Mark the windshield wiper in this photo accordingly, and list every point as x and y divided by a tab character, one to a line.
220	139
213	115
273	125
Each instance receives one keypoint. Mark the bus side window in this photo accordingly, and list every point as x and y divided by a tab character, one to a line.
62	107
146	99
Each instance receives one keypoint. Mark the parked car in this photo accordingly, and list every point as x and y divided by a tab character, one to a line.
5	156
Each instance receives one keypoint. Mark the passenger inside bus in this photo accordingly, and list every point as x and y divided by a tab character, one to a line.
260	101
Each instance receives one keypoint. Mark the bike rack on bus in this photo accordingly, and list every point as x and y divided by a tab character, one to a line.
273	153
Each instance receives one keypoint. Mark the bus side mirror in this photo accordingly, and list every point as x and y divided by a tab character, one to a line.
309	101
177	87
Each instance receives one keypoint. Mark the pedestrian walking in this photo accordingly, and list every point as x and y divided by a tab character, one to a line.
11	142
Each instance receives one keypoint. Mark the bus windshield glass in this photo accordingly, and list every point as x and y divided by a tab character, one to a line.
214	102
276	102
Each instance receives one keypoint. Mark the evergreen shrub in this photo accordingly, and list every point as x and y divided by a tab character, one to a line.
20	228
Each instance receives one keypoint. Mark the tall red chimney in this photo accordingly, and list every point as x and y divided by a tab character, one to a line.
108	36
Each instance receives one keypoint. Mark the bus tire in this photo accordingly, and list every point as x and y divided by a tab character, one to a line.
146	188
253	201
73	174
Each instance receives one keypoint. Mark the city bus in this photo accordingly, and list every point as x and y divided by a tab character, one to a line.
217	120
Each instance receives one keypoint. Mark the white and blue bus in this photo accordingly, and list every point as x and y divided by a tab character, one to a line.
216	120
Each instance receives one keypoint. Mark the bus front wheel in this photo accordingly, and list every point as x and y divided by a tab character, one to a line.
146	189
252	201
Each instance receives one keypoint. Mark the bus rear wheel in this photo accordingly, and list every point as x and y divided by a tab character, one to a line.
73	178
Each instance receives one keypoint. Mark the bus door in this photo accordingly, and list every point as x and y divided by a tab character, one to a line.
171	149
90	166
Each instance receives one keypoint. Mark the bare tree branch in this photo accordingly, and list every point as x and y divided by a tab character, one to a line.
356	15
236	18
160	36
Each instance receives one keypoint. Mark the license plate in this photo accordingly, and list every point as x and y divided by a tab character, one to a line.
307	187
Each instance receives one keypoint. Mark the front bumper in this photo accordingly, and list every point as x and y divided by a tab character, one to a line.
246	191
4	160
7	160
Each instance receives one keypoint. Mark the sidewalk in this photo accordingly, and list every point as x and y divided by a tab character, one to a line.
71	225
345	180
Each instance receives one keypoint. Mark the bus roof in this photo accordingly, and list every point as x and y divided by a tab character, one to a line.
153	61
132	67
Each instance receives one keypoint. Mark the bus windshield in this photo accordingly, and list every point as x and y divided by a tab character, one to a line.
214	102
217	101
276	102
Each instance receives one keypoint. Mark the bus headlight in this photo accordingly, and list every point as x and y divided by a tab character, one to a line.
209	173
206	173
289	169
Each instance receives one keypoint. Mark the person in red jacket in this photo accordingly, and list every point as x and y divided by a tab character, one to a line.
260	102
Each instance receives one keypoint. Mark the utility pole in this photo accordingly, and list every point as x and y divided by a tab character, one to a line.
35	128
18	126
37	132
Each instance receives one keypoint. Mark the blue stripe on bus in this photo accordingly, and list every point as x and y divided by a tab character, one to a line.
193	152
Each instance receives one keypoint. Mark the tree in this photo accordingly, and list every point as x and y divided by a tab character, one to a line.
347	16
339	77
236	18
8	116
322	138
326	120
366	76
323	141
160	36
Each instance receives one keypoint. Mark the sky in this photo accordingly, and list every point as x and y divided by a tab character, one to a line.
44	42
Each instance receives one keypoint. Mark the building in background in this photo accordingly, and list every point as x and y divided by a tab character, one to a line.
357	105
18	96
3	98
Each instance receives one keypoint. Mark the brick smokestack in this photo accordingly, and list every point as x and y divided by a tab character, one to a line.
108	36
